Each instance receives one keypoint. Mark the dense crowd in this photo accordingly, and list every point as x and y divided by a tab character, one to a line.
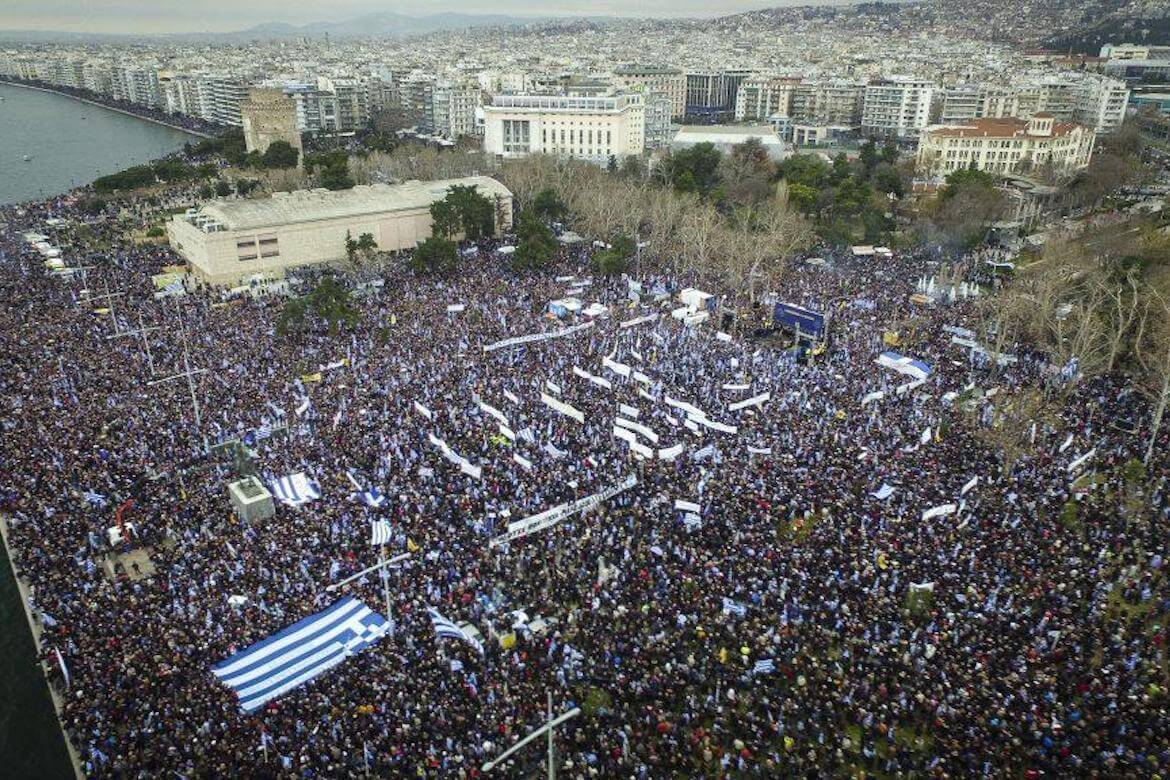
1031	643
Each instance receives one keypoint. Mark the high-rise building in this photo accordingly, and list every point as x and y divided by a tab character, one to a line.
714	92
896	107
763	97
654	78
832	101
589	127
350	99
453	110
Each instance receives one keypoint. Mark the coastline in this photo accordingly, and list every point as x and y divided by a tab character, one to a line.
116	110
35	629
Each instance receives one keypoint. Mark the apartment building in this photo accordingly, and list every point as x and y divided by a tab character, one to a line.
1004	146
761	97
713	92
453	110
658	130
350	100
831	101
653	78
896	107
590	127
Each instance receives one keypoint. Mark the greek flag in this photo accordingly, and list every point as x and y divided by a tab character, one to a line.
295	489
456	665
380	532
733	608
95	499
444	627
764	666
304	650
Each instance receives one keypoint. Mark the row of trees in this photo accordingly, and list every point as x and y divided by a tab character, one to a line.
747	246
1101	297
167	171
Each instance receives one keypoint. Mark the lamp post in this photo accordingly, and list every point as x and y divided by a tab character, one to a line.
549	728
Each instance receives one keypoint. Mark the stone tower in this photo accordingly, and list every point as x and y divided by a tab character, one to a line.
269	115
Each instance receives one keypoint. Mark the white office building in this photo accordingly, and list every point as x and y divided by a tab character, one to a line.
590	127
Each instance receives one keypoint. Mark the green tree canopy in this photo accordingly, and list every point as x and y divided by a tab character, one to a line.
280	154
463	210
537	245
548	205
435	256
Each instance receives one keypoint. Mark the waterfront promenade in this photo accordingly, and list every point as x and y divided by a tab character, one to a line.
107	107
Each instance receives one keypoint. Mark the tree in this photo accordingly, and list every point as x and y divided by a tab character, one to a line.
694	169
463	210
868	156
223	188
746	174
809	170
329	304
280	154
803	198
335	175
889	152
549	206
616	259
435	256
537	244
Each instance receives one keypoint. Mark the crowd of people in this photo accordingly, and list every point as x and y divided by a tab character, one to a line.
1022	631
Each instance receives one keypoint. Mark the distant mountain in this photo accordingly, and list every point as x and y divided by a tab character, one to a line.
378	25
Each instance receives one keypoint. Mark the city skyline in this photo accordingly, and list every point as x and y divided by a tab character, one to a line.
220	16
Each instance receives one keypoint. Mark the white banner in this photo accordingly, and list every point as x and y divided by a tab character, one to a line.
563	408
629	411
715	426
638	321
1076	464
532	337
551	517
757	400
940	511
633	426
524	462
425	412
621	369
969	486
494	412
737	388
670	453
687	506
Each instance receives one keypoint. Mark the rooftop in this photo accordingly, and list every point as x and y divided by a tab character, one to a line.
309	205
1009	127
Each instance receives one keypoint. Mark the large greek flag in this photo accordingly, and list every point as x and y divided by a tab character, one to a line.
444	627
300	652
295	489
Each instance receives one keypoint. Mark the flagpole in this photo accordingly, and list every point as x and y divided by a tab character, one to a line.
386	589
367	570
552	767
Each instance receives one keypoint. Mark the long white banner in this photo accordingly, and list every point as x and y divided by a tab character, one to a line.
551	517
563	408
531	337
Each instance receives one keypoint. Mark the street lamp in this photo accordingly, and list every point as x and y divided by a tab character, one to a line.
549	727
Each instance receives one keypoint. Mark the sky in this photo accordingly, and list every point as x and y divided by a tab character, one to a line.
182	16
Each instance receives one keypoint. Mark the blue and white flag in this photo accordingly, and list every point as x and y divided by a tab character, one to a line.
456	665
295	489
380	532
764	666
95	499
444	627
733	608
304	650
